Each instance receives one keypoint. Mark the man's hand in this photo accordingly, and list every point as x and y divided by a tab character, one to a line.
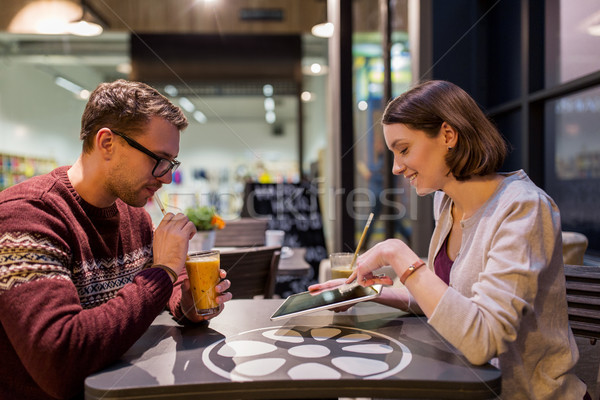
171	239
187	302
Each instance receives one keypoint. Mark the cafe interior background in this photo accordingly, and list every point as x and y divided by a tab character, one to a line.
270	101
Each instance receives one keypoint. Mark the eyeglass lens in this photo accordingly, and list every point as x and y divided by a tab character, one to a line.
163	166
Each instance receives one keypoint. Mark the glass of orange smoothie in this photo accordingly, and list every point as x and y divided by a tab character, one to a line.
203	273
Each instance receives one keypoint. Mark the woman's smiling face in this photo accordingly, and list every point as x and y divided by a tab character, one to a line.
419	158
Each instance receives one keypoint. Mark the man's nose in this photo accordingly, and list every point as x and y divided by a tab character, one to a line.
166	178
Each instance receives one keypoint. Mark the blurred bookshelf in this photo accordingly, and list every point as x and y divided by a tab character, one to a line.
15	169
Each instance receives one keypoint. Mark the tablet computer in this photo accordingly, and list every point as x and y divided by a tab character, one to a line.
307	302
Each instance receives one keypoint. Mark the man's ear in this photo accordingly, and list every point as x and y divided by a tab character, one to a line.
450	135
105	143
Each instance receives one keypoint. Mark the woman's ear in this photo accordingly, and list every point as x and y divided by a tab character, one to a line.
450	135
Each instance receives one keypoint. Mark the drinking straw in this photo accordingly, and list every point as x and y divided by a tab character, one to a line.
349	286
160	204
360	242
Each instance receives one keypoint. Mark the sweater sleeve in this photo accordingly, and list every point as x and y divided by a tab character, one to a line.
47	265
60	344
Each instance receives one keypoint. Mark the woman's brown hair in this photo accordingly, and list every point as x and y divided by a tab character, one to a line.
480	149
126	106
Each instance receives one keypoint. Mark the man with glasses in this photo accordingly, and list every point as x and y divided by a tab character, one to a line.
82	272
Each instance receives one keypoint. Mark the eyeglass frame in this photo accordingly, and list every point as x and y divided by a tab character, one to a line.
173	164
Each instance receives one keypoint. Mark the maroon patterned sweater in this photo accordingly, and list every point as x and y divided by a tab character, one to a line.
74	294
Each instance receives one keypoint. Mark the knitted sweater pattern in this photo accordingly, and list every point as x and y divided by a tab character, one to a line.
74	290
77	251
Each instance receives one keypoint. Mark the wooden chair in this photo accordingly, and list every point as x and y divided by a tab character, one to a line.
251	271
583	305
583	300
243	232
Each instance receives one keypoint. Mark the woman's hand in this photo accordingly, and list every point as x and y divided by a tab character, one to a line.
318	288
187	302
392	252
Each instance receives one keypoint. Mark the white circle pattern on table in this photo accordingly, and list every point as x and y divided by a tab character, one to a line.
309	351
355	353
286	336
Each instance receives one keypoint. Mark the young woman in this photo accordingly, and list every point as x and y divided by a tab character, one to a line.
494	285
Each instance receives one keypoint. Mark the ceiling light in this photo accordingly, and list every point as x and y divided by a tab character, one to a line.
186	104
171	90
199	116
268	90
72	87
270	117
45	17
324	30
306	96
269	104
315	69
57	17
86	25
84	28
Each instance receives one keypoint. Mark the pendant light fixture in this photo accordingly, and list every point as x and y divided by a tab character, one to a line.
86	25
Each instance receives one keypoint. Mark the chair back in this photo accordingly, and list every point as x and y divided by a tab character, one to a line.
243	232
251	271
583	300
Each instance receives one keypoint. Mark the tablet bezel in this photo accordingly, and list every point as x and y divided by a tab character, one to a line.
352	297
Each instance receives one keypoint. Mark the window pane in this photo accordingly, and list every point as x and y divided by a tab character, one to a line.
509	125
573	39
573	162
370	195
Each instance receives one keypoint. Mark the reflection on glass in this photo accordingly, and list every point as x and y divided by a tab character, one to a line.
577	136
573	162
573	46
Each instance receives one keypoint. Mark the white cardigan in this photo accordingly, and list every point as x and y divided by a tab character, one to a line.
507	295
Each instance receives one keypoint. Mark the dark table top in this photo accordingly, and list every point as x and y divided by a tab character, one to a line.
368	351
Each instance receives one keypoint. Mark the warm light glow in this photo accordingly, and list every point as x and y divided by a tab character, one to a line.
84	28
324	30
84	94
306	96
314	67
124	68
45	17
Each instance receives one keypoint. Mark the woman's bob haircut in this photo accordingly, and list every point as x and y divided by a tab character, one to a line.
480	149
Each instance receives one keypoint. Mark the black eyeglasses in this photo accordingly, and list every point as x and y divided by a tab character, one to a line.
162	164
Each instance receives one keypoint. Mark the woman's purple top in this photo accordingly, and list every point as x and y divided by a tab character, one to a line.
443	264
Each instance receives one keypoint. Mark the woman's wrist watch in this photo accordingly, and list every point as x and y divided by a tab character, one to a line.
411	268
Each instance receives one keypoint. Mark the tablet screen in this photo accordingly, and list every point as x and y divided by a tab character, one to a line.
306	302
